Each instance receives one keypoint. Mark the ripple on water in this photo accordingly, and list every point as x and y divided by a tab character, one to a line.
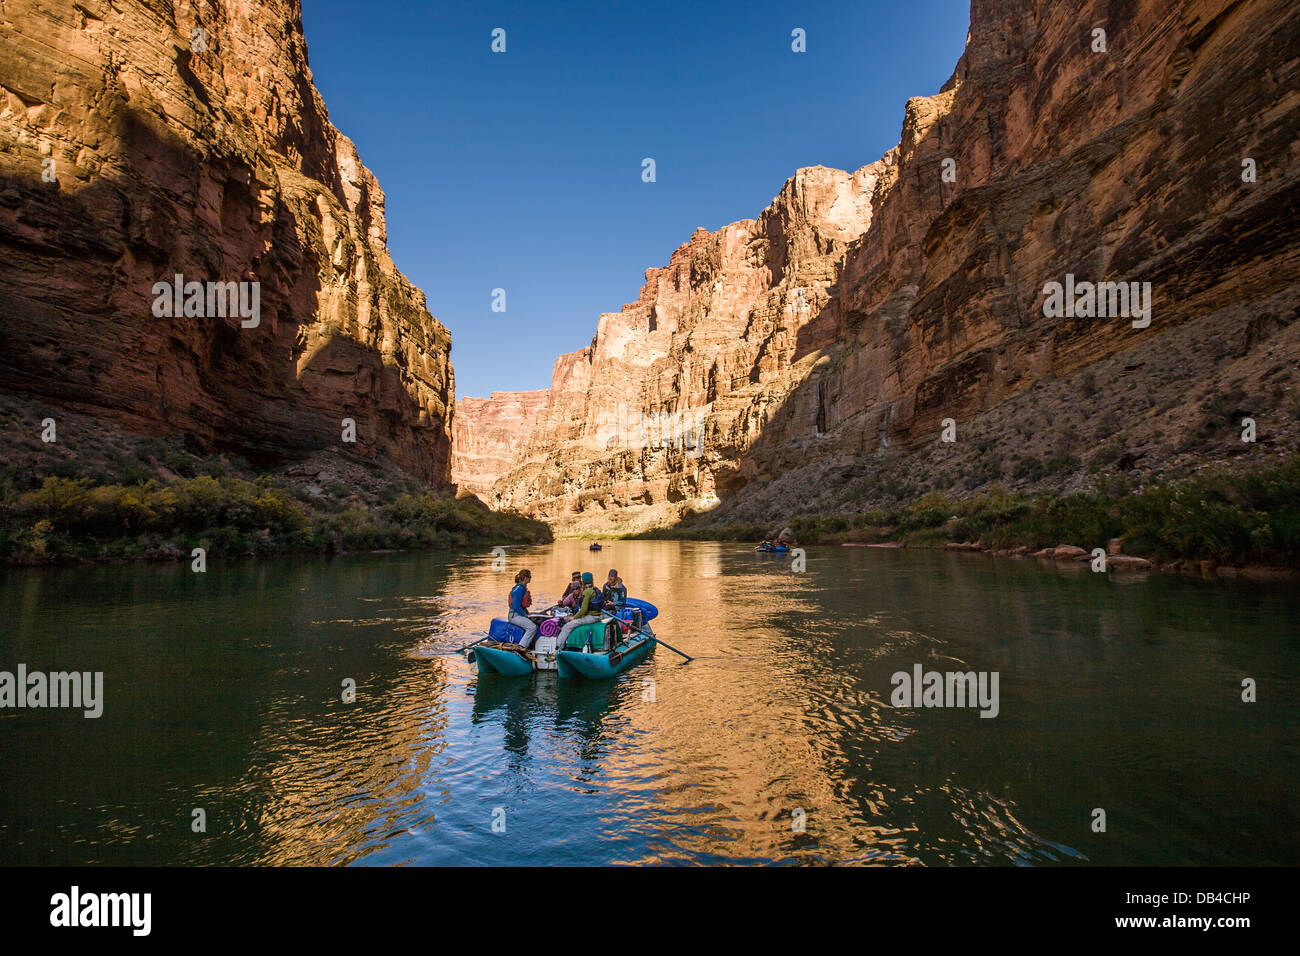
778	745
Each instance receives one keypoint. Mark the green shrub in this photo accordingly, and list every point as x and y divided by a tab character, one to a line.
1223	514
73	516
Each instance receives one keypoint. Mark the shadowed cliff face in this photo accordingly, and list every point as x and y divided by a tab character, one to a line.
220	164
925	302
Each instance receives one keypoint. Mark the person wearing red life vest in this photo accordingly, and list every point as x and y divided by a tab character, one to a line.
519	601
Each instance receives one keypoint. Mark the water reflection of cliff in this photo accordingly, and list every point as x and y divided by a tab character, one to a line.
787	707
223	692
328	781
787	712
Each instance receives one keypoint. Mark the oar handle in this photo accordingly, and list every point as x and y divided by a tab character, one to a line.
468	646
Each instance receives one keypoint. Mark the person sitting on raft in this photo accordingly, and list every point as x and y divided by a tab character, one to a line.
588	610
519	601
614	593
573	593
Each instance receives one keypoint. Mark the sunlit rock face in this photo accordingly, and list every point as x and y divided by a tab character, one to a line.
709	340
208	155
487	434
829	340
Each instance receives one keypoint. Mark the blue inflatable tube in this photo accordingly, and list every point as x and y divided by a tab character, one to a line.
648	609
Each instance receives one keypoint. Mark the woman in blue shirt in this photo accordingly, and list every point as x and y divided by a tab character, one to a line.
519	601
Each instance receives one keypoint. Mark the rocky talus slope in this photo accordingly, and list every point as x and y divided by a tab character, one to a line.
821	350
140	139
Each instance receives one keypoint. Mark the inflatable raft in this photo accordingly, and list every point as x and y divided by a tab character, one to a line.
620	640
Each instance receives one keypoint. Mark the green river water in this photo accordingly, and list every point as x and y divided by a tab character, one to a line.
223	692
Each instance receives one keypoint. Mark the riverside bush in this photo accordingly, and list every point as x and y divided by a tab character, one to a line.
1224	514
76	518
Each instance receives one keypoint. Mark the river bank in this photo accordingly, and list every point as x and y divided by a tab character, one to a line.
1241	520
1072	555
74	521
159	503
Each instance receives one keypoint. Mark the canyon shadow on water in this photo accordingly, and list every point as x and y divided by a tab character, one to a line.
224	692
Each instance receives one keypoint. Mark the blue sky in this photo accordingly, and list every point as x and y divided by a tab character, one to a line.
522	170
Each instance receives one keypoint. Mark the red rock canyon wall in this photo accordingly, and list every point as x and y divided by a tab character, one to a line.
836	332
215	160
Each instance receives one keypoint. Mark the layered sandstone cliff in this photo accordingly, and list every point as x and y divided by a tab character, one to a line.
487	434
622	423
821	348
140	139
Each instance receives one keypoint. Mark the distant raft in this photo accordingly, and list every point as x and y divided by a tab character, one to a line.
773	548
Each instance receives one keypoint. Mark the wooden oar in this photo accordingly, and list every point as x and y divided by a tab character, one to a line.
462	650
653	637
